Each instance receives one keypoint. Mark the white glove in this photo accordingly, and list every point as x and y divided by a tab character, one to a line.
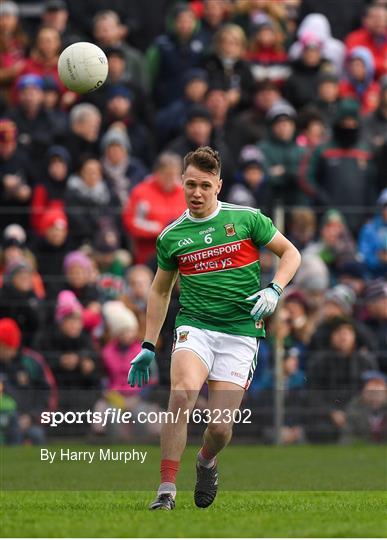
266	301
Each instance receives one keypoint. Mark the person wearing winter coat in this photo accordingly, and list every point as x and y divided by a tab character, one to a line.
373	240
90	203
282	154
358	82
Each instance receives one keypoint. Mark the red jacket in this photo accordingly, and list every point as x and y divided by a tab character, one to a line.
148	211
365	39
369	100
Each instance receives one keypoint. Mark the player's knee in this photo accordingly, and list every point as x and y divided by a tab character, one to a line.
221	431
181	399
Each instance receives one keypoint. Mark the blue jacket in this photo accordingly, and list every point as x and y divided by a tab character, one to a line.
372	239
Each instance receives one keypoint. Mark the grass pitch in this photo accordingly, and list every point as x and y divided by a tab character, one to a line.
350	503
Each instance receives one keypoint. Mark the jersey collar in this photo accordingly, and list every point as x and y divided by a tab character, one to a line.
211	216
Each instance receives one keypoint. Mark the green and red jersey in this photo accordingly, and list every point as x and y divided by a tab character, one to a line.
218	261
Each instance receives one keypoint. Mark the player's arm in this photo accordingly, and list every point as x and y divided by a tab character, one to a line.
158	302
290	259
266	300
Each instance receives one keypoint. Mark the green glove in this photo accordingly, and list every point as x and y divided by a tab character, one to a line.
139	369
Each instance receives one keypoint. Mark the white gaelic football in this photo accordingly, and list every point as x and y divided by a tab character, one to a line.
83	67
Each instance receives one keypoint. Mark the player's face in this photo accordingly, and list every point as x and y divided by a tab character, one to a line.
201	191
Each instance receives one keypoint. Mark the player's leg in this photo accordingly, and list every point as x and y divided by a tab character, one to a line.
224	398
188	374
235	358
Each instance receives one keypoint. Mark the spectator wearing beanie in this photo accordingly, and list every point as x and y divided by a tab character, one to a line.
80	279
341	172
28	380
50	193
70	354
251	187
19	302
122	347
50	250
340	302
121	170
152	205
111	262
282	154
14	248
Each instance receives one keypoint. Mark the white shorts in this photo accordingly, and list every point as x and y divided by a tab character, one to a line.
228	357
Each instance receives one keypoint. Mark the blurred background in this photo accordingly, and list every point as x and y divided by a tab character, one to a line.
293	94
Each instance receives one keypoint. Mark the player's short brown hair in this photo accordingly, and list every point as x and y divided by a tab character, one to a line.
205	159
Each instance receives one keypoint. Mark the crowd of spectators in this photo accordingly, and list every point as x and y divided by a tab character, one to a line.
293	95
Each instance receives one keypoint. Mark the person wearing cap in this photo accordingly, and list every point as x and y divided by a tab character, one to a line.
111	262
282	154
14	42
170	120
56	15
372	35
173	53
152	204
334	375
358	82
119	112
327	98
50	193
373	239
90	203
226	63
28	379
19	301
71	355
36	126
108	31
251	187
15	174
341	172
375	125
121	170
266	52
366	413
301	87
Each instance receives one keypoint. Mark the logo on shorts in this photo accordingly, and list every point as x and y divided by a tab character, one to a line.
183	336
230	229
236	374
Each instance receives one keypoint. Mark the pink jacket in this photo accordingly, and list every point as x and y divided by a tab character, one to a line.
117	363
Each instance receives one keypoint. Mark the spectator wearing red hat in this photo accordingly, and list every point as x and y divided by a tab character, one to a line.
14	189
50	250
152	205
28	380
372	35
50	193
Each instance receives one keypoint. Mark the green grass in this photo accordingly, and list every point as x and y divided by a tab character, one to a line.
264	491
122	514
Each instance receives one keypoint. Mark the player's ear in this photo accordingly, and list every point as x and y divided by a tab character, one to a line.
220	184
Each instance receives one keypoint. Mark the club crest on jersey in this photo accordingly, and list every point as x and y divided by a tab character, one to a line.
230	229
183	336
